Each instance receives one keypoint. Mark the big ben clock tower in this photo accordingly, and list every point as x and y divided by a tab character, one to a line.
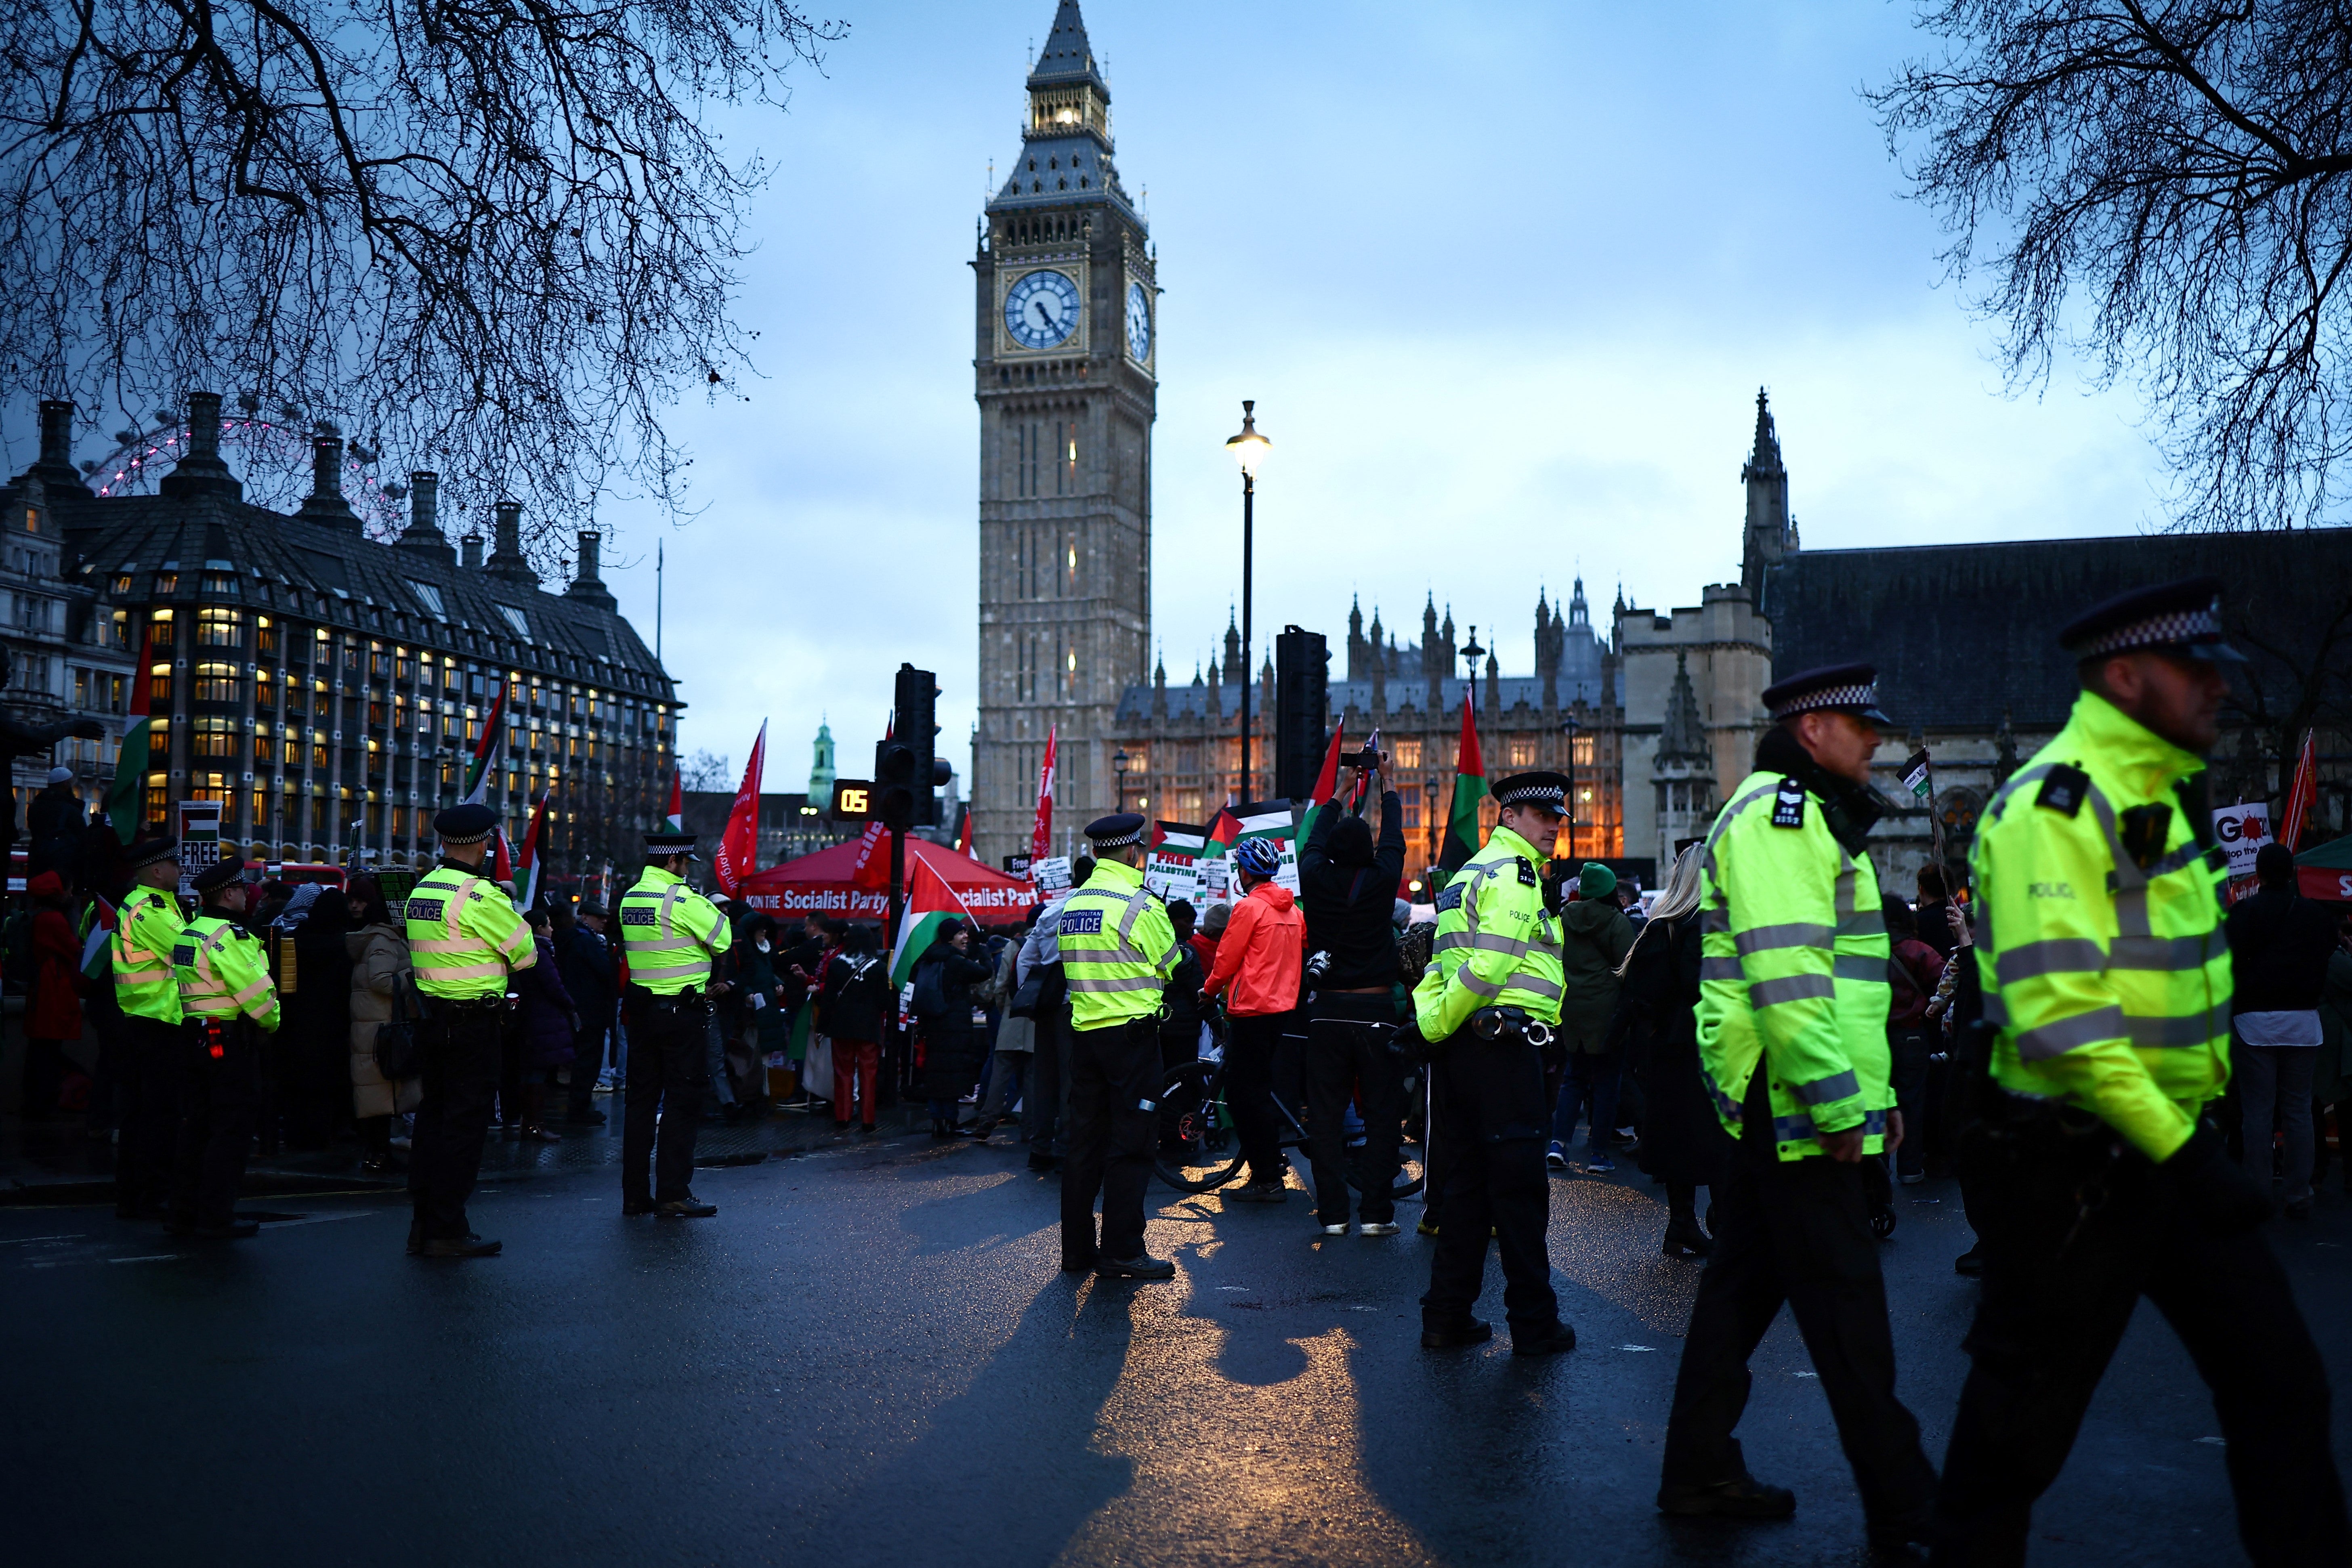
1066	312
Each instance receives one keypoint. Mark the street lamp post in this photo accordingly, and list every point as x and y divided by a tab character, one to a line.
1429	796
1119	762
1249	449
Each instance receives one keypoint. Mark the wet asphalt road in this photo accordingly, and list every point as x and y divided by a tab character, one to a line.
871	1357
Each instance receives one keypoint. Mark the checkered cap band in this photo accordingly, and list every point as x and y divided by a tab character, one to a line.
2169	629
467	837
1861	695
1552	795
1119	841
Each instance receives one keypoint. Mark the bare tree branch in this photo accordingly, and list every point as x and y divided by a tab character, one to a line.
490	239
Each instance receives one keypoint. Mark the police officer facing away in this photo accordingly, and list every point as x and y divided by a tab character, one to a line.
2106	982
464	939
669	933
1792	1010
226	1004
1118	950
146	931
1488	1005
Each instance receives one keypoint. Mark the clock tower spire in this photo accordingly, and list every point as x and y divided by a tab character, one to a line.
1066	312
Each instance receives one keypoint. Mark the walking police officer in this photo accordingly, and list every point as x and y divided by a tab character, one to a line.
1488	1005
1118	950
2106	983
146	931
226	1004
1792	1010
669	933
466	940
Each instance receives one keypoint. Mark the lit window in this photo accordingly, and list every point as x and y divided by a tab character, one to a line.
218	627
218	683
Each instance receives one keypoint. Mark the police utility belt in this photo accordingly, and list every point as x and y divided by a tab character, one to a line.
692	996
216	1034
450	1009
1510	1023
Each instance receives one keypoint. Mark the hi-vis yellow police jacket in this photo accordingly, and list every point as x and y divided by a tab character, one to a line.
1793	970
2105	966
1496	944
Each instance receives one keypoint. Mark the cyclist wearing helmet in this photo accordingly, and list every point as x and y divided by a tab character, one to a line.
1259	961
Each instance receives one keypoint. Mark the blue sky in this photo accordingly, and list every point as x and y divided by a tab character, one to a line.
1503	279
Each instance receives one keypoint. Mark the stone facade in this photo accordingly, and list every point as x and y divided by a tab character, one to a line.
327	689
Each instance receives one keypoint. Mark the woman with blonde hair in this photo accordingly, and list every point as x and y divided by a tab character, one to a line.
1682	1143
378	946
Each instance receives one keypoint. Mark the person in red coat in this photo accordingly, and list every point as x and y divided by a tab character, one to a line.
53	1001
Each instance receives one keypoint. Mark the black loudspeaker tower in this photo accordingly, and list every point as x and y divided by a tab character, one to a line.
1301	701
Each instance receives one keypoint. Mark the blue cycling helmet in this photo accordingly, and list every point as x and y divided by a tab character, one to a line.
1257	857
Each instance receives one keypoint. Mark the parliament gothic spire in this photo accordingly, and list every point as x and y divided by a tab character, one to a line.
1066	313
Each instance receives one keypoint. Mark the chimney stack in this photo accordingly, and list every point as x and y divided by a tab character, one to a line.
200	471
423	531
55	467
506	546
326	503
589	585
471	555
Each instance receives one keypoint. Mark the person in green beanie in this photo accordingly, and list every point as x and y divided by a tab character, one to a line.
1595	936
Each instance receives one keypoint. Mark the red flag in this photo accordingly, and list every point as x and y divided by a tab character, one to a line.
1224	832
501	859
871	872
738	846
963	837
1041	834
677	799
2300	794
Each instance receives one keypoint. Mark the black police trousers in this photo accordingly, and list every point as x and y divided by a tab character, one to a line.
1796	1231
154	1066
2059	1286
1115	1078
217	1099
1487	1122
668	1065
1349	1051
461	1049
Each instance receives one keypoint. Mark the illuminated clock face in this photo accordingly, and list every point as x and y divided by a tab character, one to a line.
1042	309
1138	322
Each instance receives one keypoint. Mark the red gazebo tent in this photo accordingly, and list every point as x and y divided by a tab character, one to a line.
828	882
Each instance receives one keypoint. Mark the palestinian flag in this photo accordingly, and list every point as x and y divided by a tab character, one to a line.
1327	787
930	904
534	843
99	922
1469	789
1224	834
487	746
676	818
126	798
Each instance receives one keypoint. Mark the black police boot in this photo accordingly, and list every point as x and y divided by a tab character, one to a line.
1453	1336
1142	1265
466	1246
1971	1262
1741	1495
1556	1340
1685	1239
687	1207
636	1205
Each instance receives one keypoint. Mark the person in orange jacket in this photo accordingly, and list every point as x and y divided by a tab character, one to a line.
1259	960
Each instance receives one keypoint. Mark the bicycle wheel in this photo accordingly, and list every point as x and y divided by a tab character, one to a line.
1198	1150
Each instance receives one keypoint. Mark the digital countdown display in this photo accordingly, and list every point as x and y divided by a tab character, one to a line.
853	800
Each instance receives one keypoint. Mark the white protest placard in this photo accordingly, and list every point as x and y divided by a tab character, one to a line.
1051	875
2243	830
199	826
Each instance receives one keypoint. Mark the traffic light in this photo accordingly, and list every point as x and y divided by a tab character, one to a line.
905	767
1301	698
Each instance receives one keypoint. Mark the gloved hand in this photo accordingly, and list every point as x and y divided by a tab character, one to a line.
2212	1192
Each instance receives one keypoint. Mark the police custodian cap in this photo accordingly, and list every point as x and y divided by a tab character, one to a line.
465	823
148	851
2180	618
1545	789
1116	831
662	846
212	878
1833	688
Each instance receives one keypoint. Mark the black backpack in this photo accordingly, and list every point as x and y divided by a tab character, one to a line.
930	990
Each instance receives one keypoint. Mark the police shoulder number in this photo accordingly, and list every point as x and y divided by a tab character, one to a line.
1528	877
2063	790
1789	805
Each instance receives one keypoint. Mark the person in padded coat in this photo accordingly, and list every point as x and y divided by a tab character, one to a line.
1682	1143
950	1044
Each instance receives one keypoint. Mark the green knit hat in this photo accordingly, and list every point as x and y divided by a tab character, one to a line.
1595	881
